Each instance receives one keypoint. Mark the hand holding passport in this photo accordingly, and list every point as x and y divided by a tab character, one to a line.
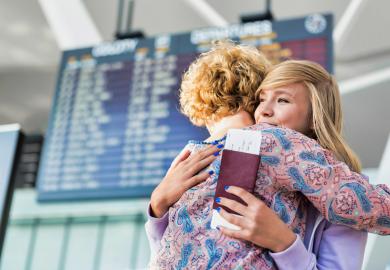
239	166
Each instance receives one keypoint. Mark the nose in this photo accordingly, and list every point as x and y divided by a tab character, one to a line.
267	111
264	110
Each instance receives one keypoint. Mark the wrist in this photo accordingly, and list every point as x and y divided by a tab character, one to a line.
285	242
157	206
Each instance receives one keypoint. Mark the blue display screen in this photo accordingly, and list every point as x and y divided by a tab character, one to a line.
115	124
9	137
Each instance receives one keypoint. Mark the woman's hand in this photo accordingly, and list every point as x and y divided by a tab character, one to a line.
259	224
181	176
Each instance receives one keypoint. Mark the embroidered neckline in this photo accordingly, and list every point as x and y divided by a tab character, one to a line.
208	143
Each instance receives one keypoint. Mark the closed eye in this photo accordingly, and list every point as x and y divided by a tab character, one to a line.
283	100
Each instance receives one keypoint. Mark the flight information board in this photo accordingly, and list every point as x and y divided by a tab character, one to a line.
10	145
115	124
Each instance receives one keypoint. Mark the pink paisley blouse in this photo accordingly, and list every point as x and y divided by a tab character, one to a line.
294	171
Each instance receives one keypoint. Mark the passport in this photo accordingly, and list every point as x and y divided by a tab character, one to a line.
239	165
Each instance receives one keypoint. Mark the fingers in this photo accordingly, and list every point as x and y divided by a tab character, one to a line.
208	151
199	165
197	179
246	196
201	159
183	155
233	205
232	233
232	218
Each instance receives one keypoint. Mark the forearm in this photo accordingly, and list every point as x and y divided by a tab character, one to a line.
339	248
361	206
297	163
295	257
347	198
155	228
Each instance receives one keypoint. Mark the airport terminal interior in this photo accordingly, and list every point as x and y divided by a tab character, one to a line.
90	119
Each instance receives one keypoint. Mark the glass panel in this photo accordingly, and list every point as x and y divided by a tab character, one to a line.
144	249
82	246
116	252
48	245
16	247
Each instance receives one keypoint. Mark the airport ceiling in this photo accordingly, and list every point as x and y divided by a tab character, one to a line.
362	46
27	41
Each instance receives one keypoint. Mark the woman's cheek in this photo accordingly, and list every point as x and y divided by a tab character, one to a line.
256	115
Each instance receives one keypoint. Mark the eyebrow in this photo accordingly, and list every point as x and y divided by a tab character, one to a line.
278	92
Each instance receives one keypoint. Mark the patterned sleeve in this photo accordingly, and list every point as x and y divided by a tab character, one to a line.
298	163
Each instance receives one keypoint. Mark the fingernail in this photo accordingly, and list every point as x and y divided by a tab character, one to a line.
216	154
226	187
218	209
218	228
214	143
211	172
218	200
219	146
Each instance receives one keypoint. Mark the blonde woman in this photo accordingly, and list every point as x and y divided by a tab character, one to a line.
187	242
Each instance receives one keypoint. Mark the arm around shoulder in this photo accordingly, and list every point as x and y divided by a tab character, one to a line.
342	196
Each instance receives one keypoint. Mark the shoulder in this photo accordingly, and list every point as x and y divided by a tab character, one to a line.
281	132
283	139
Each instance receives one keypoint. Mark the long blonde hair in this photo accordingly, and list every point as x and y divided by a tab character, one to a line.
327	119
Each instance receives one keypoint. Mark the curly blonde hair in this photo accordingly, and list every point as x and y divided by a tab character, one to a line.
222	82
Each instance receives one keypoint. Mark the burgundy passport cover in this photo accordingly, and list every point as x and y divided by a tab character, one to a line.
237	169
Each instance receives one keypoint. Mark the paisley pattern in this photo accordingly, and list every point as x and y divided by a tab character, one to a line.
281	209
291	166
185	254
334	218
360	192
184	219
214	253
300	183
270	160
310	156
384	221
280	135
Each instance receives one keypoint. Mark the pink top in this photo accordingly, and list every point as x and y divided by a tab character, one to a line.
291	165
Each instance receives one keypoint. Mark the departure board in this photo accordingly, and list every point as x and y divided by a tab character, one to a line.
115	124
10	145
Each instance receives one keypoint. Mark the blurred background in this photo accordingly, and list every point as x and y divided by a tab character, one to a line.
108	233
